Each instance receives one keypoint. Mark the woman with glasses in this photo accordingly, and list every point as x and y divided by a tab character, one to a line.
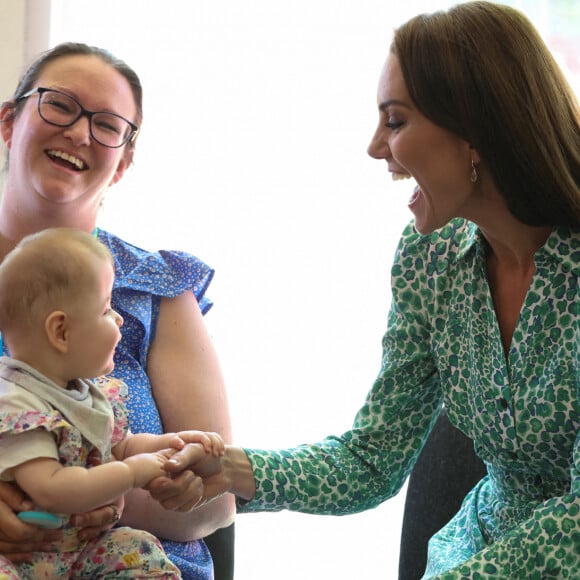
70	131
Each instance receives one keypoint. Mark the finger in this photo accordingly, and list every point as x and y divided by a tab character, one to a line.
167	453
200	437
11	551
14	530
177	442
108	516
179	493
163	488
22	551
219	448
218	445
102	518
185	457
13	496
91	533
187	501
207	443
213	444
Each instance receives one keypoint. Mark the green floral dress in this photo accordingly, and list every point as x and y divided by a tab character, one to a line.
443	347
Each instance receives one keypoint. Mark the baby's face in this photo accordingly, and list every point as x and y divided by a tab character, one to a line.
95	326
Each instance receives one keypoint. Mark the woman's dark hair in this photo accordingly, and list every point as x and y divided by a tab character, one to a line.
482	71
74	49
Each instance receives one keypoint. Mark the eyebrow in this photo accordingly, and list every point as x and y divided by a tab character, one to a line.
386	104
75	96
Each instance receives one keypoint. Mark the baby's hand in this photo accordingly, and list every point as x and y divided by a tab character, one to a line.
148	466
211	442
173	440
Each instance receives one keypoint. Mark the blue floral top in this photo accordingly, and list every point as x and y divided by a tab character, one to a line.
142	278
443	346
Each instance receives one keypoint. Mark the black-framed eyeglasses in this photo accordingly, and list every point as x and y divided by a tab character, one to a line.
62	110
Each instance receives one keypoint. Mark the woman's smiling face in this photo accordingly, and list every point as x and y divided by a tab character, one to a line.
413	146
63	165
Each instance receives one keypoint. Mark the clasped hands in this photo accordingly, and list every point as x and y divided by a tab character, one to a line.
194	478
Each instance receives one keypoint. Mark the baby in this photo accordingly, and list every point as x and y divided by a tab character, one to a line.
64	435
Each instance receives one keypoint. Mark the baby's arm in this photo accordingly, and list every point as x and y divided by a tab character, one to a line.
135	443
211	442
68	490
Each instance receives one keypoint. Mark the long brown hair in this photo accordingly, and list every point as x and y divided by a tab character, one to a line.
482	71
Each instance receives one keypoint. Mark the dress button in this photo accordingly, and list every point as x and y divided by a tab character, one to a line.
538	480
503	403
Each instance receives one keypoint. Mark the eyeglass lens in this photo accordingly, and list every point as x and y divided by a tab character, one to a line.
62	110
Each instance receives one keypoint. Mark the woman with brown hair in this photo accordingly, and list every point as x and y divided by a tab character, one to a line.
484	320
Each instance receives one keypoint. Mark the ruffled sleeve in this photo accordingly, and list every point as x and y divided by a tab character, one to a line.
163	273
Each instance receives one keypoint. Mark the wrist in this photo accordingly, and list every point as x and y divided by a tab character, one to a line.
131	465
239	473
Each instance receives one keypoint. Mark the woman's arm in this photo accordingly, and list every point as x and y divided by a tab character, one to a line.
368	463
230	473
189	390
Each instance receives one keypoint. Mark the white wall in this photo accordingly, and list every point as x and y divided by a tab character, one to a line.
12	19
24	31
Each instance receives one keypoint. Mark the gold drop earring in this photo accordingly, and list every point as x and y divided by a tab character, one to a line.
474	176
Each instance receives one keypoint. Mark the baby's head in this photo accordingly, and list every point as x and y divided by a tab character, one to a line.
55	286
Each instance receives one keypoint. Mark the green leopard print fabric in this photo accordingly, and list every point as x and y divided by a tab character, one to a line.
443	347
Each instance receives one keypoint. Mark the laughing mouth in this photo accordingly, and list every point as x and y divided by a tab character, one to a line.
400	176
67	160
415	195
